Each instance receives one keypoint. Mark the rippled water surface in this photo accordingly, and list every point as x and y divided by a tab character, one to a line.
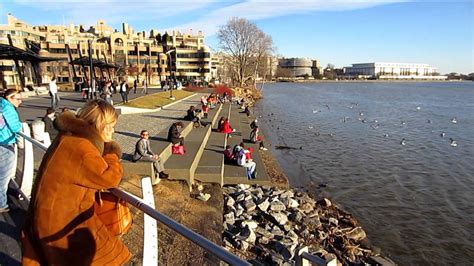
416	201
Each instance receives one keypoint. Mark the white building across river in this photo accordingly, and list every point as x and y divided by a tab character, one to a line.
380	70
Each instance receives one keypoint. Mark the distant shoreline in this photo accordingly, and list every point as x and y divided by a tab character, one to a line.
364	81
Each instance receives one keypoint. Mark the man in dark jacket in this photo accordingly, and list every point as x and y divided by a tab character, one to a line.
192	116
143	152
174	135
48	120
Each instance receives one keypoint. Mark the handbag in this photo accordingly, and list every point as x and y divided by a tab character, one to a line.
177	149
113	212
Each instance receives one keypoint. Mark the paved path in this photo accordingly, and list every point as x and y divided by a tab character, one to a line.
35	106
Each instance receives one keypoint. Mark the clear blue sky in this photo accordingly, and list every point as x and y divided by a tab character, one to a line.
341	32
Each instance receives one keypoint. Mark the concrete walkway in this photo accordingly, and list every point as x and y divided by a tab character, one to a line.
35	106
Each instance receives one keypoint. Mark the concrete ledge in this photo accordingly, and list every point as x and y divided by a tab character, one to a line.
139	168
211	166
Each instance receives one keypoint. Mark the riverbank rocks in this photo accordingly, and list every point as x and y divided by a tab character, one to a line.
272	224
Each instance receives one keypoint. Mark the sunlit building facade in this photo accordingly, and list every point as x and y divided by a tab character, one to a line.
137	54
381	70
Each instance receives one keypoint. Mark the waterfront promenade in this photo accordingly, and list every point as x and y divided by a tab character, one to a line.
171	197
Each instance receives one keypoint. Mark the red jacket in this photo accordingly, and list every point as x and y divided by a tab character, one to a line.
226	128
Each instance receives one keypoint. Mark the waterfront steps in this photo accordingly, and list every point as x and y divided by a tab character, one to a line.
159	145
183	167
211	166
234	174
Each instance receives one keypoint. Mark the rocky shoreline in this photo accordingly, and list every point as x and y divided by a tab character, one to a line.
269	225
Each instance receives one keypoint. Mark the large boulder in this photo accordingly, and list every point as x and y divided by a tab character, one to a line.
250	205
277	205
279	217
263	205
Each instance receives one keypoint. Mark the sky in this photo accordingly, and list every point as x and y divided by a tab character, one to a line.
339	32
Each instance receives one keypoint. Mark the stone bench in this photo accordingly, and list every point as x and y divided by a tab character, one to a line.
211	166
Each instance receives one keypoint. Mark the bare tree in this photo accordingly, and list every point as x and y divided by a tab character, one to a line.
245	46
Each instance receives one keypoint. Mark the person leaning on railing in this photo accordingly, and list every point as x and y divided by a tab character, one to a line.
61	227
9	125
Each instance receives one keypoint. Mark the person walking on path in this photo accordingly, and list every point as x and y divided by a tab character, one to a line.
107	93
143	152
145	87
61	226
53	92
135	85
9	125
124	91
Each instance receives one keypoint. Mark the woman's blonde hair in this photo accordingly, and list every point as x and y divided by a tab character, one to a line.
98	113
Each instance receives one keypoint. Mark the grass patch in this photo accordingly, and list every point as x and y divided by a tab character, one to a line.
156	100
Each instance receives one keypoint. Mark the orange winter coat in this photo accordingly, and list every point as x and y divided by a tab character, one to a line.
61	227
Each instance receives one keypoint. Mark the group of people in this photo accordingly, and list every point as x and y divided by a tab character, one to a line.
240	154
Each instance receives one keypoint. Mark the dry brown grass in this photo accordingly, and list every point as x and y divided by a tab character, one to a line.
156	100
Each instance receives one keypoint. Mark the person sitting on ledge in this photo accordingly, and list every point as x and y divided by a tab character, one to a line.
244	159
226	128
174	135
143	152
229	157
192	116
220	123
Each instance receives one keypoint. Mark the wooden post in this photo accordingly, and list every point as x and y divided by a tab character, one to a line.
70	60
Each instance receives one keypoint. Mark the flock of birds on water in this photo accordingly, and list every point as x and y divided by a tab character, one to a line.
375	124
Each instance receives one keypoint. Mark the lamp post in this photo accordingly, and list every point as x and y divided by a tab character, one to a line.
169	64
147	62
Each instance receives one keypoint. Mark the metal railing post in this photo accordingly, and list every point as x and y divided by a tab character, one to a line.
150	228
28	161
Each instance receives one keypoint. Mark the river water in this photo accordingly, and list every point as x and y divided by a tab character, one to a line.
416	201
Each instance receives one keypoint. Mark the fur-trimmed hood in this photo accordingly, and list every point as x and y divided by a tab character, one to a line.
68	123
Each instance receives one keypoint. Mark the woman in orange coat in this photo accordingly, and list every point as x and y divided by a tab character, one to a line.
61	227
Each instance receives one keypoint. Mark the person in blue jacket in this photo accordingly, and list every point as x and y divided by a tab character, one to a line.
9	125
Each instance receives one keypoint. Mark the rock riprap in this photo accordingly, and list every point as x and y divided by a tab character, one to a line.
270	224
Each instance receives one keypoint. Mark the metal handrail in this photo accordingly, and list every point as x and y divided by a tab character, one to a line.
34	141
201	241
